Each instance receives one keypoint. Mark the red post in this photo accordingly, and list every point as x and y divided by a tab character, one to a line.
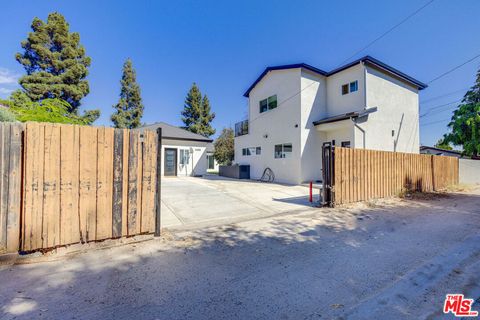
311	195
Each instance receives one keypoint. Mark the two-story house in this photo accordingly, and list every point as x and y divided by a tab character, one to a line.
294	109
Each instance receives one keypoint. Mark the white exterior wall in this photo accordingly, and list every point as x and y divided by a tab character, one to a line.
278	124
355	101
395	101
313	107
199	156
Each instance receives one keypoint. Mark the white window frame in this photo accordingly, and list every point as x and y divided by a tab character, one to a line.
349	87
251	151
283	154
267	100
184	156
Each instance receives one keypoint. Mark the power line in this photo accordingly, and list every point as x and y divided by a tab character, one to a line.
444	95
434	122
453	69
389	30
438	106
438	111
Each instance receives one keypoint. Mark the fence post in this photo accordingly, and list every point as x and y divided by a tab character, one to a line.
311	195
433	173
158	196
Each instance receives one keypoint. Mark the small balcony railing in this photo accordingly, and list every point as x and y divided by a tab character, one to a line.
241	128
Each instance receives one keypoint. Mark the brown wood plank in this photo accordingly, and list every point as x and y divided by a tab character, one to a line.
348	193
69	183
27	214
104	183
51	190
4	162
153	180
36	142
126	152
133	219
363	173
354	175
147	213
139	183
88	183
341	187
389	174
117	202
344	176
14	188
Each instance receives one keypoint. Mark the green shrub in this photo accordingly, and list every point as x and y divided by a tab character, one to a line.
6	115
47	110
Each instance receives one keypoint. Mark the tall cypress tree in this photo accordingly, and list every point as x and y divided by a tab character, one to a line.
55	62
196	114
129	109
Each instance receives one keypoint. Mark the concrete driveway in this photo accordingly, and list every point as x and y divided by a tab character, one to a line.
189	202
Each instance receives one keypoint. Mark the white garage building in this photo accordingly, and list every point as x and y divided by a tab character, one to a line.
184	153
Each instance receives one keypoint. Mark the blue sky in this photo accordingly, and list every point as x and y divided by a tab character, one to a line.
224	45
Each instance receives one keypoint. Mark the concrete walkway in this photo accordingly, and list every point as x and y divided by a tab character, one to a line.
189	202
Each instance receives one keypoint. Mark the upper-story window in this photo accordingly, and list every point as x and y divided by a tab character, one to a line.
350	87
251	151
268	104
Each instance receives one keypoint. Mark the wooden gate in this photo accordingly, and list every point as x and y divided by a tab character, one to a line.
64	184
86	184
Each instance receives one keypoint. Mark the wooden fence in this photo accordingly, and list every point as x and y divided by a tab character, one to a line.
76	184
361	174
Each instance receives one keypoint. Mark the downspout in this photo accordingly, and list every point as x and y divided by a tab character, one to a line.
359	128
364	85
364	102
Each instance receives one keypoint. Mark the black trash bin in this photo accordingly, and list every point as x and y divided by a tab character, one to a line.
236	171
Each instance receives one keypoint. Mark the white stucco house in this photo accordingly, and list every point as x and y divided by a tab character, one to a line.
184	153
294	109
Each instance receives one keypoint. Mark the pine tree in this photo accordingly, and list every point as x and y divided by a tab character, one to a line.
55	62
196	114
465	122
129	109
207	118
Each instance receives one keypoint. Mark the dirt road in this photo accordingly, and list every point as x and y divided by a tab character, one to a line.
394	260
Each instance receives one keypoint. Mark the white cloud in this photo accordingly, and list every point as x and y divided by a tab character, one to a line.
5	91
8	77
8	82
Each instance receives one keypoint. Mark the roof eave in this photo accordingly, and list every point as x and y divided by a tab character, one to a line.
283	67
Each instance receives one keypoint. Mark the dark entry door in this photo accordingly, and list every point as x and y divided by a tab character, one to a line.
170	168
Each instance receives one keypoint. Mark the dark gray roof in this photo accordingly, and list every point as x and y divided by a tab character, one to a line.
344	116
175	133
367	59
424	148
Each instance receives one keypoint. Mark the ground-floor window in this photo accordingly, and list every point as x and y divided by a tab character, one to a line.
346	144
283	150
252	151
184	156
210	161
